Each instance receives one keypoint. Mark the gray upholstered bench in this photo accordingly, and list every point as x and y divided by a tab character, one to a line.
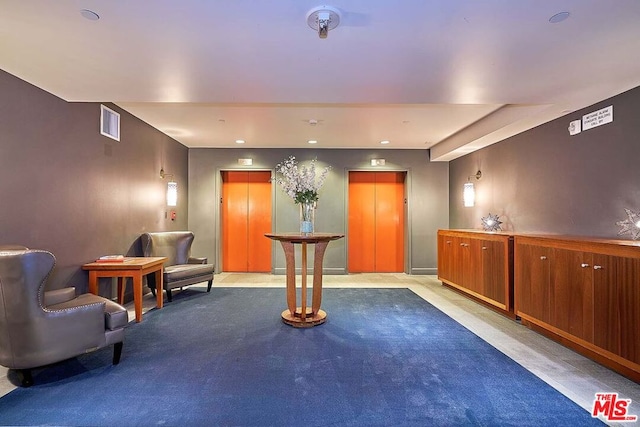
181	269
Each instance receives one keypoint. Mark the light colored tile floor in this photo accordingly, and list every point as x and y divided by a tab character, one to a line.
573	375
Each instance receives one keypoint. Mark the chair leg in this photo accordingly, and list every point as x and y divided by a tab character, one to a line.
151	283
169	296
27	379
209	285
117	352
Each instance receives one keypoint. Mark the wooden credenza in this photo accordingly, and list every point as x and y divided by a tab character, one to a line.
584	293
479	264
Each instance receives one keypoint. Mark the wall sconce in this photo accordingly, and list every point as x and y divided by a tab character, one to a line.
378	162
172	188
469	192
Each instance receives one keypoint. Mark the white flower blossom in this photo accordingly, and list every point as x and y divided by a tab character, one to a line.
300	183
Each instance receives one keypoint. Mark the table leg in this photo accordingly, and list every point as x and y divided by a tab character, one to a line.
93	282
303	294
302	317
159	288
122	284
137	295
289	255
317	277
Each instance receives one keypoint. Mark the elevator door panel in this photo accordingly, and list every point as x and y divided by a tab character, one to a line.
389	222
376	222
246	217
362	222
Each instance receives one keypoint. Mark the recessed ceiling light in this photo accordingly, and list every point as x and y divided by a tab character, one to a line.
312	141
384	142
559	17
89	14
239	141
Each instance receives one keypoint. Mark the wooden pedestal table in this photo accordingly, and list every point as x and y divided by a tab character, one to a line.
134	267
303	316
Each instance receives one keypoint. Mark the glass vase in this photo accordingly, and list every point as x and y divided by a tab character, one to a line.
307	216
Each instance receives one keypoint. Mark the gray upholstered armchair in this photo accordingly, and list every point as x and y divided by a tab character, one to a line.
38	328
181	269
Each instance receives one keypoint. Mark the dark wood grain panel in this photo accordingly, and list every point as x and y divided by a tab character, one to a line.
493	261
479	264
572	293
532	282
593	298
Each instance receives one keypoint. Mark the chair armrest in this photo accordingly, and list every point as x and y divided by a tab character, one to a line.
79	322
194	260
58	296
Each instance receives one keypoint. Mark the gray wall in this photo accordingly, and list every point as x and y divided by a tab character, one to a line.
545	180
427	188
67	189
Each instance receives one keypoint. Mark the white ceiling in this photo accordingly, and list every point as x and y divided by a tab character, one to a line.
464	74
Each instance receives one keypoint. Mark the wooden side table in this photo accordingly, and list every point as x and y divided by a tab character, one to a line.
134	267
303	316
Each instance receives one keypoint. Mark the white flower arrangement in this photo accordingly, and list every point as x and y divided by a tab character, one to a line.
300	183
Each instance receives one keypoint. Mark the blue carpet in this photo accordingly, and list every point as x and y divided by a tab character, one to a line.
385	357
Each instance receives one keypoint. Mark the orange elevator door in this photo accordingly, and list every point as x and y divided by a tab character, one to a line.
376	222
246	217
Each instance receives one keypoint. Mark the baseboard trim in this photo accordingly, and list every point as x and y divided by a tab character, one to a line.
341	271
431	271
327	271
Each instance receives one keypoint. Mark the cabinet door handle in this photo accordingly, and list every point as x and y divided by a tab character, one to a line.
448	242
543	257
583	265
597	267
461	244
484	248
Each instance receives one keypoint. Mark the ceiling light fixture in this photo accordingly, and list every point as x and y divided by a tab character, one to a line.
239	141
312	141
89	14
322	19
559	17
384	142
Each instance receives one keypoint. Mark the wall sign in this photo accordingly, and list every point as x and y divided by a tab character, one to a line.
597	118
